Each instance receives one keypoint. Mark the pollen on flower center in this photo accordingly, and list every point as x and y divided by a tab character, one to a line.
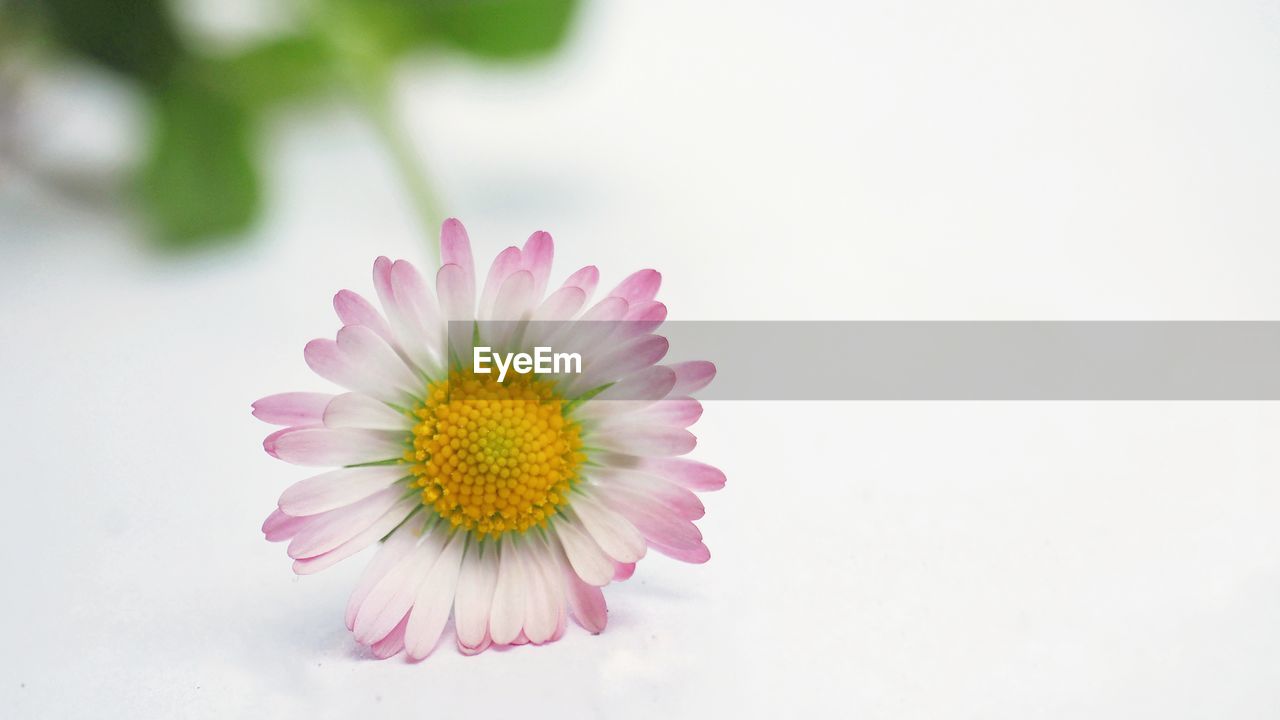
494	457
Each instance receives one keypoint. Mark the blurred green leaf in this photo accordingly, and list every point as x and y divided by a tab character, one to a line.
382	28
503	29
289	68
135	37
199	183
497	29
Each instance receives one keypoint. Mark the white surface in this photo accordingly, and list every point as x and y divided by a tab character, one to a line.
801	160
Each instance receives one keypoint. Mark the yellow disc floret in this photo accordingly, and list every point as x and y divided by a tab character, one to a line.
494	457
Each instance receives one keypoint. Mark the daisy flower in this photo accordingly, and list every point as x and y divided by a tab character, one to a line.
506	504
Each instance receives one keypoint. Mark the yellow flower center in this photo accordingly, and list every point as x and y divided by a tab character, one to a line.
494	457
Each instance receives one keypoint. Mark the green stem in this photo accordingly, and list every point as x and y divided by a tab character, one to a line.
367	71
410	168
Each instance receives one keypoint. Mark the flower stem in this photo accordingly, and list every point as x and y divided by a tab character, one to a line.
408	164
367	71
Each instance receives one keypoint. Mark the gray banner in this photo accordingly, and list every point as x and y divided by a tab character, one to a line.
950	360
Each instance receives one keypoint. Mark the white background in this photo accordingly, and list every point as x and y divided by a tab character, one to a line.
798	160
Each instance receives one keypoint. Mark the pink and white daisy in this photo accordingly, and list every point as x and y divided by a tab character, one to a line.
506	505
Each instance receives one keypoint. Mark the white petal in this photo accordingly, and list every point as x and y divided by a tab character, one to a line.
624	360
507	262
616	537
475	593
512	306
435	599
338	488
537	256
678	498
584	555
423	326
561	305
640	389
507	617
644	440
371	535
587	334
357	410
585	601
401	542
586	279
328	530
457	293
292	408
393	596
542	599
655	521
320	446
353	309
392	643
370	353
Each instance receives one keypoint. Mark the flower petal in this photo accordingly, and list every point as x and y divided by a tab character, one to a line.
357	410
608	310
407	303
589	331
394	594
326	531
692	376
561	305
645	440
455	248
484	644
507	616
536	256
392	643
401	542
329	446
618	538
423	325
587	604
668	412
382	367
457	293
552	564
353	309
679	499
515	297
279	527
694	553
655	521
435	599
586	279
627	359
332	363
645	386
475	594
292	408
507	262
623	571
694	475
641	319
338	488
640	286
585	601
375	532
663	530
673	411
543	600
584	555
